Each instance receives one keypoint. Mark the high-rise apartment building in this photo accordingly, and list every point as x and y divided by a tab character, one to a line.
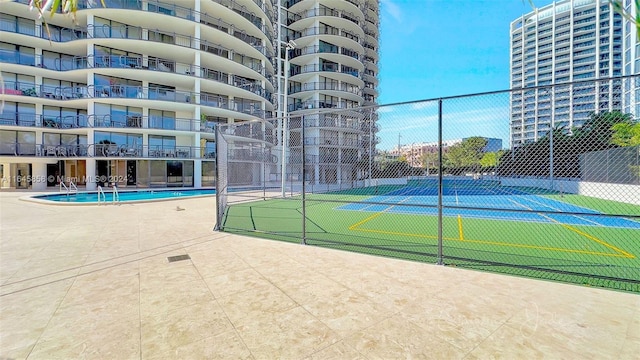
332	57
567	41
131	92
631	61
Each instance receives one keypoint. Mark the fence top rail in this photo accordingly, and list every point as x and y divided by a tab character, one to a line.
548	86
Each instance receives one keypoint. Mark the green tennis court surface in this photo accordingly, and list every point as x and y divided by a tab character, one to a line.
568	238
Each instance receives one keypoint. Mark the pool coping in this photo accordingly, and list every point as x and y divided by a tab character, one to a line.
34	198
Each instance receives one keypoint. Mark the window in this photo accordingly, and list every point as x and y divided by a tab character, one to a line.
63	117
108	86
18	54
17	142
325	47
112	29
107	115
161	119
108	57
161	146
17	24
116	144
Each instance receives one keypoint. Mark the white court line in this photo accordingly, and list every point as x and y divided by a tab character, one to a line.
390	205
560	212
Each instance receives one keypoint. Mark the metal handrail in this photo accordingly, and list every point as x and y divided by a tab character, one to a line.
72	186
101	191
116	196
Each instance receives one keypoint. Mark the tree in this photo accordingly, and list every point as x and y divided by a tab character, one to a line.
626	133
429	159
601	131
67	7
395	169
491	159
597	132
465	155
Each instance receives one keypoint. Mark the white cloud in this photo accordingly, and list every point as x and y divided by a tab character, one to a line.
392	9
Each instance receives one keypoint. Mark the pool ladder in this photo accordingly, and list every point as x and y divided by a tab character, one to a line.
102	197
71	187
116	196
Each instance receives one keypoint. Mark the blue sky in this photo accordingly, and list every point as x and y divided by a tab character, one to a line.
440	48
434	48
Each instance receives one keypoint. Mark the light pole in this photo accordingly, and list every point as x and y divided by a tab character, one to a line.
285	112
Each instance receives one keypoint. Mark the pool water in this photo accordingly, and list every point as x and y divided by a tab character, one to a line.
124	196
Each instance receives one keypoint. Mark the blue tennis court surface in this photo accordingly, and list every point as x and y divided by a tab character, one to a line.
494	203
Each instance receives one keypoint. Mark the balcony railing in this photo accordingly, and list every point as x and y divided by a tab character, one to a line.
139	92
44	91
324	11
146	151
326	30
329	141
325	120
252	155
125	62
314	86
319	104
42	150
54	33
136	33
45	121
104	151
311	68
184	12
323	49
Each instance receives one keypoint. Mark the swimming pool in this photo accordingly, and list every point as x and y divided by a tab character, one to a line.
125	195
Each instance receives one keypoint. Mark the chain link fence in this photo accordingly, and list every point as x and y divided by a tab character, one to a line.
539	182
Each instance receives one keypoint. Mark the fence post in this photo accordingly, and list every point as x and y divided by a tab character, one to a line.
264	168
370	144
551	174
219	215
304	197
440	180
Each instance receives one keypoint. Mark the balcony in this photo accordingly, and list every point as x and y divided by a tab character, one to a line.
315	86
44	91
42	150
138	92
102	150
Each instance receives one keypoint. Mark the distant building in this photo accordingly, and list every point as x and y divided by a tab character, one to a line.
568	41
631	63
414	152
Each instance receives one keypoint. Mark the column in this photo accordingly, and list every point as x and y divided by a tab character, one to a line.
39	176
5	182
197	163
91	183
145	145
197	173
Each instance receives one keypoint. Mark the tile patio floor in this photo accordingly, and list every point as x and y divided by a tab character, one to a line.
94	282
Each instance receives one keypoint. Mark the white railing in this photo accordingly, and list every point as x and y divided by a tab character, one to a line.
69	188
72	186
116	196
101	192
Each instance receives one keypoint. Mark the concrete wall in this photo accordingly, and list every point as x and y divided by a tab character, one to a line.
617	192
393	181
